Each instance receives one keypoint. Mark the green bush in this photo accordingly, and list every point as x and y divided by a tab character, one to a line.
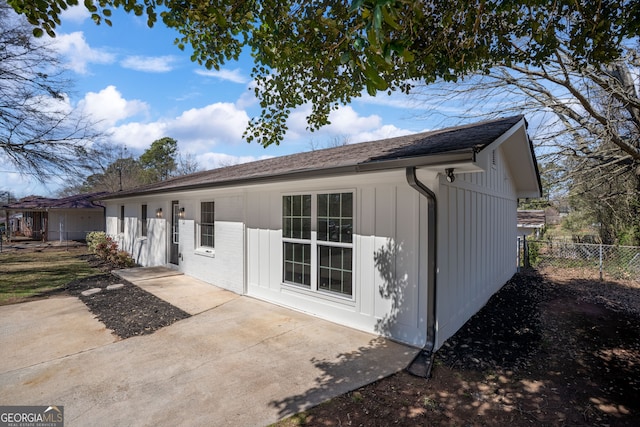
533	249
94	238
105	248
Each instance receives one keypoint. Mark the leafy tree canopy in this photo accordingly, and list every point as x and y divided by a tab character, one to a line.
325	53
160	159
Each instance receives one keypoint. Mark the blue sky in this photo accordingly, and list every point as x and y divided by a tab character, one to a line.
140	87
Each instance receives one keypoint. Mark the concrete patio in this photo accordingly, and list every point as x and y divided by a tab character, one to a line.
238	362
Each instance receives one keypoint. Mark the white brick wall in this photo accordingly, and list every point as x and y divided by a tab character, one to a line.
223	268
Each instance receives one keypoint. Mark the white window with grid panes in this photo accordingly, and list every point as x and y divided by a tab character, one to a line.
317	234
206	227
143	221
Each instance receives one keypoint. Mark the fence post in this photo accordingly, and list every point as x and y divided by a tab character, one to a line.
601	262
525	252
518	254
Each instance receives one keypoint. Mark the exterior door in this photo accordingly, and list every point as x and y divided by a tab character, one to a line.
175	233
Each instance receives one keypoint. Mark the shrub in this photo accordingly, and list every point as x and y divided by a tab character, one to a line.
122	259
94	238
105	248
534	253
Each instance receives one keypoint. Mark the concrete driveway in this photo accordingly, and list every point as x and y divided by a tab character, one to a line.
243	363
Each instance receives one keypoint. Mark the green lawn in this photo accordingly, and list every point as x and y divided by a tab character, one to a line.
24	274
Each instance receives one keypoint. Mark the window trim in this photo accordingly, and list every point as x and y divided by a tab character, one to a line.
121	218
315	244
144	220
200	248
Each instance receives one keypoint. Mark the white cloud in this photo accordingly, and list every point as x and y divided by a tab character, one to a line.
248	97
109	107
344	122
347	126
79	53
234	76
26	185
212	160
211	125
383	132
75	14
149	64
139	136
197	130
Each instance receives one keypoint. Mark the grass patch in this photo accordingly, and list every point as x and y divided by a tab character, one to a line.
25	274
296	420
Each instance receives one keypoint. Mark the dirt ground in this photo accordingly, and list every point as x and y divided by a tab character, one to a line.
546	350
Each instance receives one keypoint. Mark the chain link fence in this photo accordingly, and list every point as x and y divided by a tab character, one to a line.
583	259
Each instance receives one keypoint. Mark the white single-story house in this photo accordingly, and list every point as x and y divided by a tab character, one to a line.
68	218
406	237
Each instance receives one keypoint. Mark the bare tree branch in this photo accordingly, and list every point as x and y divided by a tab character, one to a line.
586	123
40	132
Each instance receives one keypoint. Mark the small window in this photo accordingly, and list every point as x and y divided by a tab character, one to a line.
121	219
143	221
296	217
207	221
334	265
297	263
335	217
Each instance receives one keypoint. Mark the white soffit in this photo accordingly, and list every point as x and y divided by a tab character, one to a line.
519	158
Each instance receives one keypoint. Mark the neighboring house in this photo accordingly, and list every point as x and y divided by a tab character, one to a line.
531	223
406	237
69	218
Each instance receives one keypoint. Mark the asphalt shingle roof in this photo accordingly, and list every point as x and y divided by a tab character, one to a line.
79	201
532	217
468	137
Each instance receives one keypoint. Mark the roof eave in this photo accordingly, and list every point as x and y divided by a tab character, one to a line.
308	173
435	160
515	135
432	160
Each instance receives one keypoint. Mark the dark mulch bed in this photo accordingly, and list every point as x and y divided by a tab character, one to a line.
128	311
545	350
505	334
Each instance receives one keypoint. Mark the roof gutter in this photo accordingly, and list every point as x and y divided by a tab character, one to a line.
442	159
422	363
369	166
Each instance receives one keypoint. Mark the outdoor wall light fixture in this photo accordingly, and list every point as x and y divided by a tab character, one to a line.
450	176
159	213
181	213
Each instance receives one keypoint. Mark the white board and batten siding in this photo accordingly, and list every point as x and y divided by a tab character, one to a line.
388	265
149	250
476	230
476	234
